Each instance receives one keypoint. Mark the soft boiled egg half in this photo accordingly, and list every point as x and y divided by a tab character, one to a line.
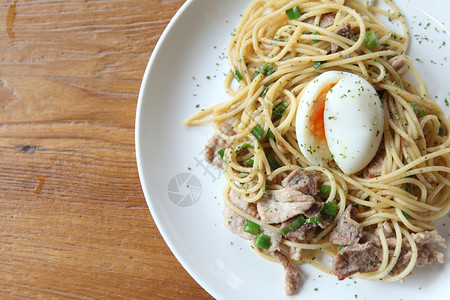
340	117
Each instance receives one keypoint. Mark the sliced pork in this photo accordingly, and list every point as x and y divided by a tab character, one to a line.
316	210
302	234
358	258
275	239
327	20
361	251
426	242
292	277
236	198
398	63
235	223
277	206
376	165
215	143
345	31
295	253
347	231
304	181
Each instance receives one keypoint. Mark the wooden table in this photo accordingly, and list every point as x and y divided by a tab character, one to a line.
73	220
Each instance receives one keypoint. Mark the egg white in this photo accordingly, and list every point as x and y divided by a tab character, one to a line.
353	120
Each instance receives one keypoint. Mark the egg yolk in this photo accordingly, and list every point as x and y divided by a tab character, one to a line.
316	124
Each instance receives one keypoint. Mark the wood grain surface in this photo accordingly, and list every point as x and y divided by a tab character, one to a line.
73	220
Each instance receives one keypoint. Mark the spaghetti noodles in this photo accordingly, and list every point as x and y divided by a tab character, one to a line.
279	47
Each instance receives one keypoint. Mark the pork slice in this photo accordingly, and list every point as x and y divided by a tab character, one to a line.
387	229
215	143
236	198
226	129
398	63
376	165
335	48
426	242
327	20
402	262
403	259
302	234
316	210
304	181
277	206
347	231
292	276
389	234
275	239
295	253
307	230
309	20
345	31
370	237
235	223
359	258
374	238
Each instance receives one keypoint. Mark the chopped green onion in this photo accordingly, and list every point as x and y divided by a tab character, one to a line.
294	225
257	132
316	219
251	227
342	247
317	64
237	75
406	214
266	69
293	13
280	109
270	134
256	73
422	113
408	188
370	40
416	107
316	33
279	40
246	145
221	152
272	162
325	189
250	162
262	241
266	88
330	209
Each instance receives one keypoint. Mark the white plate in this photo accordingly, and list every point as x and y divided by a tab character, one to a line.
183	193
